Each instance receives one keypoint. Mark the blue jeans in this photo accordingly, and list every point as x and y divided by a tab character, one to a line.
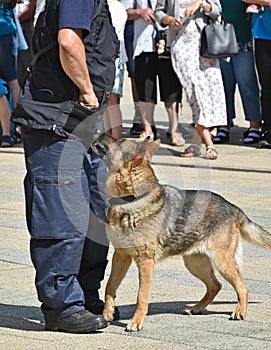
241	70
66	220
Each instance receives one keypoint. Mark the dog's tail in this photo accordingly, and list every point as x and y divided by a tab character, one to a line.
254	233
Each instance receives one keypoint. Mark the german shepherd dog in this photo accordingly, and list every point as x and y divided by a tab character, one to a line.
147	221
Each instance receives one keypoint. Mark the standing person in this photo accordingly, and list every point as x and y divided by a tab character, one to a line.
5	114
240	70
11	40
137	127
200	77
64	205
25	13
113	116
261	32
148	67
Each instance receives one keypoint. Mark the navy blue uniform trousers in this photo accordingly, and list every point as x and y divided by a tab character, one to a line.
66	219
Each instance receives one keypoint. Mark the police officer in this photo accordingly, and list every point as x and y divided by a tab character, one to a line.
64	180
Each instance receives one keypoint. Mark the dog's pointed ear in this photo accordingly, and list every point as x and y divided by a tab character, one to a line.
145	150
152	147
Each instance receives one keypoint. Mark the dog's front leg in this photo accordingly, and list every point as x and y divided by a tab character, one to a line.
146	268
120	264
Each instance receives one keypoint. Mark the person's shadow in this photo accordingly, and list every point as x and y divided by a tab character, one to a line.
22	317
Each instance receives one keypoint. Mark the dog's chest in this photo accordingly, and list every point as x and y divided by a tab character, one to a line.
135	224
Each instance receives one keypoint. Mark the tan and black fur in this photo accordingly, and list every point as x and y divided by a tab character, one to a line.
147	221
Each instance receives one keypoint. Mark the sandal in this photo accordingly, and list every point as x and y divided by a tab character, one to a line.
191	151
211	153
7	141
177	139
252	135
223	135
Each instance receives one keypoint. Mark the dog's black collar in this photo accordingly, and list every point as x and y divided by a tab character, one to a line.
124	200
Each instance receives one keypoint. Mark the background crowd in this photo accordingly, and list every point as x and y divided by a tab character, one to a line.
208	84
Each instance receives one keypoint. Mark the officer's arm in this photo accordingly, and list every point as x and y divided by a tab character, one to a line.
73	60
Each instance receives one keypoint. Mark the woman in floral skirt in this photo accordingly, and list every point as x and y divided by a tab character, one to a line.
200	77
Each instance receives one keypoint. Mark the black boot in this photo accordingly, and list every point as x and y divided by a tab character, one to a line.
80	322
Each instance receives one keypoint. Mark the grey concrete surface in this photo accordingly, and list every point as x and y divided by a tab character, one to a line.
241	173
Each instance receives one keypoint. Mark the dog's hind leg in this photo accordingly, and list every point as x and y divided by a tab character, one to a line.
120	265
201	267
146	268
225	262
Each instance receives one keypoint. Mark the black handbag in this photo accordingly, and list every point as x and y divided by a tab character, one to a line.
218	39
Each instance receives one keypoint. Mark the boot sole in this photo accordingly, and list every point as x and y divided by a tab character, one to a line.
60	326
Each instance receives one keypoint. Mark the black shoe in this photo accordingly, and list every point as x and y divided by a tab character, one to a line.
154	130
136	129
265	141
96	307
223	135
80	322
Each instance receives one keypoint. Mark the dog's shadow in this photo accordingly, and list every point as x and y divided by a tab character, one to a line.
173	307
30	318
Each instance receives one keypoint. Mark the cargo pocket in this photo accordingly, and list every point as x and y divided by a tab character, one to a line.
59	208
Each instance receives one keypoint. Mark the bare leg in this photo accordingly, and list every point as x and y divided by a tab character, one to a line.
147	111
5	115
113	116
205	134
172	111
15	90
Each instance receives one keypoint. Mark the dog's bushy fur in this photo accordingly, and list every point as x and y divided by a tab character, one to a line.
147	221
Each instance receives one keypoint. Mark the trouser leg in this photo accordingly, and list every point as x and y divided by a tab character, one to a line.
94	257
57	205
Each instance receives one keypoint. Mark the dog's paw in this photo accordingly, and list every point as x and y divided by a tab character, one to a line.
192	311
237	316
134	326
108	315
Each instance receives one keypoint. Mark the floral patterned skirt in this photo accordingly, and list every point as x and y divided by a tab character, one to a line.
200	77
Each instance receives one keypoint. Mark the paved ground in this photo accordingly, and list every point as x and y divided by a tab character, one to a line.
241	174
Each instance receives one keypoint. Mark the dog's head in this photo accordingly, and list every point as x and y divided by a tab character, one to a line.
128	163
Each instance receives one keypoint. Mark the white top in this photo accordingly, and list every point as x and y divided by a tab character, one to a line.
144	33
119	18
40	5
22	6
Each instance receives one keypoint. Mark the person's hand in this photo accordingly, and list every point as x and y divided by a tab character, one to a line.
173	22
192	8
89	100
148	15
